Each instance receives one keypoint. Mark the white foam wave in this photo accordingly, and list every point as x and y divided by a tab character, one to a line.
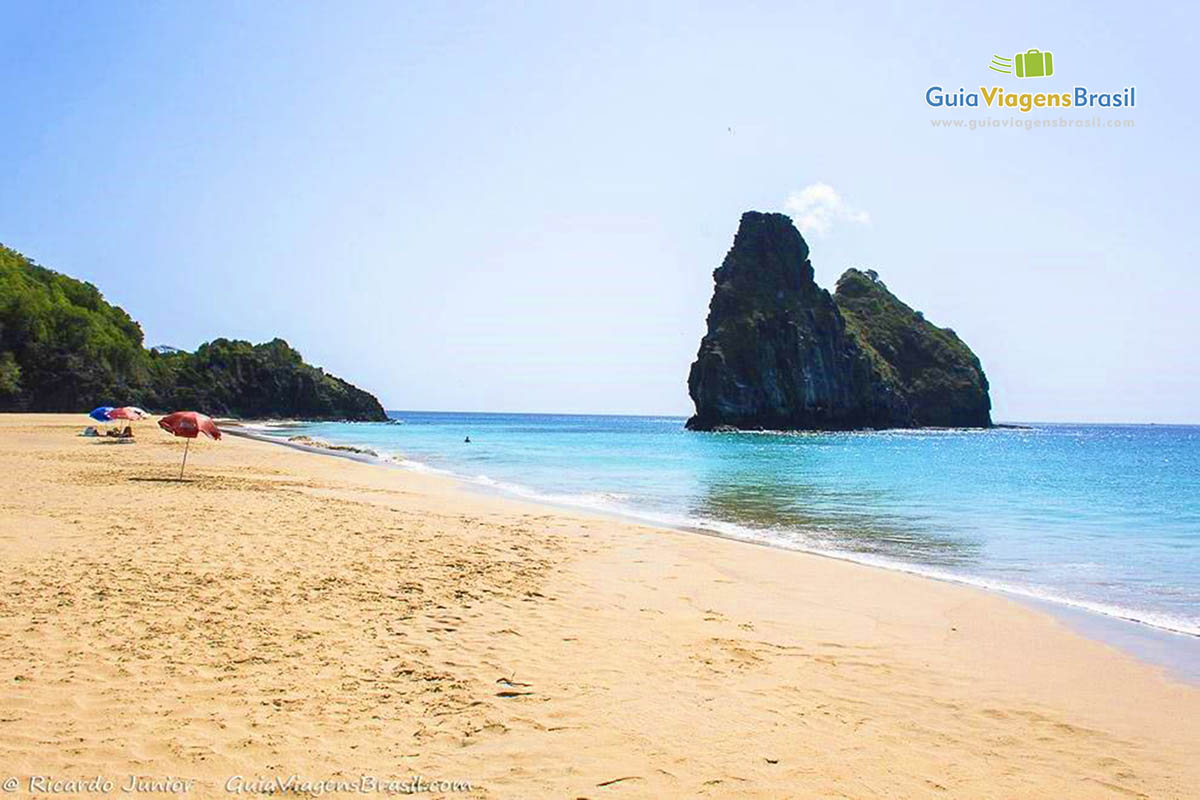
608	501
419	466
273	425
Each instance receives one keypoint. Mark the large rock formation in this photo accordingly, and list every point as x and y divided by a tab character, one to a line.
781	353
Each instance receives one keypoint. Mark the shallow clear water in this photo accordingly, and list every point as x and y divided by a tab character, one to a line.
1103	517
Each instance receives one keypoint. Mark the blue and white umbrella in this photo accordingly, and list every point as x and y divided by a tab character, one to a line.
100	413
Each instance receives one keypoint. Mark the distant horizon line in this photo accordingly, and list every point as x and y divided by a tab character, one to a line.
686	416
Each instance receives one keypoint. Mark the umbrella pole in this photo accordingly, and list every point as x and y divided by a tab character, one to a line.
186	443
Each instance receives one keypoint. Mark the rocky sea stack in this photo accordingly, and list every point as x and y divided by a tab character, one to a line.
781	353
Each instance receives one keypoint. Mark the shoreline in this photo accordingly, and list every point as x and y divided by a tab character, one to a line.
1158	645
277	612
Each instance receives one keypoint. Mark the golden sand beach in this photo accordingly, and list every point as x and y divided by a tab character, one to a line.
288	614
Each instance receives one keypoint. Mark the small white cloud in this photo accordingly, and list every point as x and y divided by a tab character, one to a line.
816	207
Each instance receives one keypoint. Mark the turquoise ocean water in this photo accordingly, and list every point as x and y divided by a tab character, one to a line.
1100	517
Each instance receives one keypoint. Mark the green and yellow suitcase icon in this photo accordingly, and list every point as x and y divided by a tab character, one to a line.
1035	64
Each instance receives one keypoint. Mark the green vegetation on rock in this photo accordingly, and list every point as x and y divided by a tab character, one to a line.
63	348
941	378
236	378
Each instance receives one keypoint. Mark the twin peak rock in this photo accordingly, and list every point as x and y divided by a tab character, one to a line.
781	353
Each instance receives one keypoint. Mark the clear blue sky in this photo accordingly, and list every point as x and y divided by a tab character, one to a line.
519	206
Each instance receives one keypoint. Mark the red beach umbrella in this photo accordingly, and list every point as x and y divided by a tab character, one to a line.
127	412
189	425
